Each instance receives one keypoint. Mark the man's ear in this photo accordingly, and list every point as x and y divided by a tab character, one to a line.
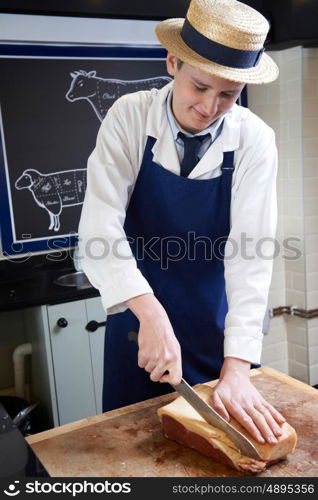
171	63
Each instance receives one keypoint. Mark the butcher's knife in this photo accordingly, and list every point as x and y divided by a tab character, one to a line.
210	415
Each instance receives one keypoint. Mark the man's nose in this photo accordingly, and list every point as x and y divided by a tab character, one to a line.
210	105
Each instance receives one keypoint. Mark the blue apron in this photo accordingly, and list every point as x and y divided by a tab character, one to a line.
177	228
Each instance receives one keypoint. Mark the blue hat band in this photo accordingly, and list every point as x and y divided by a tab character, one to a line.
218	53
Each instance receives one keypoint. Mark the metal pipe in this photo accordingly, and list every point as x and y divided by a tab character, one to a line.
18	357
294	311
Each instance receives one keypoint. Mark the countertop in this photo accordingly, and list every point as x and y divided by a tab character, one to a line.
29	281
128	442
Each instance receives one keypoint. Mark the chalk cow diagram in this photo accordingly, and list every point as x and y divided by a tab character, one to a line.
102	92
54	191
57	190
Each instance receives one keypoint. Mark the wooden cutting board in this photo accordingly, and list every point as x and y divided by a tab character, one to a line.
129	442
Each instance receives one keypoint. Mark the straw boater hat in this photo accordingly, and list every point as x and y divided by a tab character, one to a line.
221	37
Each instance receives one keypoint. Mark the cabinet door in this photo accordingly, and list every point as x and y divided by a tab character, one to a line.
95	312
71	361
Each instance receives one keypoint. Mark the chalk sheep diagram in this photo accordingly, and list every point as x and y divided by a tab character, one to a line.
54	191
57	190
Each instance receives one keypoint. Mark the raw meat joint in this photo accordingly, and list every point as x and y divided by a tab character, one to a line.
181	423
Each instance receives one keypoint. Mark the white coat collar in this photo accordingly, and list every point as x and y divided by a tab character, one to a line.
164	150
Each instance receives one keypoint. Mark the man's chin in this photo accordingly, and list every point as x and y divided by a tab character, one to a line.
201	124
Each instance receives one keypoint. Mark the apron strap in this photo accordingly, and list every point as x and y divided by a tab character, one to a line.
228	162
148	156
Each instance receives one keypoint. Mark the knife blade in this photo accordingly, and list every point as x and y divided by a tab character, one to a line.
210	415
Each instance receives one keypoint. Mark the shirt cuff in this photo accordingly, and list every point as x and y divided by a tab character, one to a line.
117	292
239	344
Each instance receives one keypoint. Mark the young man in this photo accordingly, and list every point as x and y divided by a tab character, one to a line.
181	191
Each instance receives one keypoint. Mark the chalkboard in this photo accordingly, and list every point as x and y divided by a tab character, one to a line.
122	9
53	99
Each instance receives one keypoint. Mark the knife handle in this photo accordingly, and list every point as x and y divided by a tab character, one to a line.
133	337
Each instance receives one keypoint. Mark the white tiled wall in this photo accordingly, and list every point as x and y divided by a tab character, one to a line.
310	70
290	107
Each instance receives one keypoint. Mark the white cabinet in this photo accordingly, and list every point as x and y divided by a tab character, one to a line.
95	312
67	359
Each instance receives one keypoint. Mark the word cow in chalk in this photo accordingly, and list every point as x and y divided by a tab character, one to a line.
54	191
101	93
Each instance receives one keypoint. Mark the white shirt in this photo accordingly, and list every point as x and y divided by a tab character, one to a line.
112	172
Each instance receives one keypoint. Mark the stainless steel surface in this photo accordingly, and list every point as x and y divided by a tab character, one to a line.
213	418
78	280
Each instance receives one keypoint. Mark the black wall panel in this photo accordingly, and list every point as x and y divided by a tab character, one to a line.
293	22
138	9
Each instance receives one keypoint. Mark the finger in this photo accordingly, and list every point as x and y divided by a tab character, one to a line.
247	422
218	406
150	366
142	360
172	375
280	419
260	422
147	359
171	379
157	373
276	429
236	410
